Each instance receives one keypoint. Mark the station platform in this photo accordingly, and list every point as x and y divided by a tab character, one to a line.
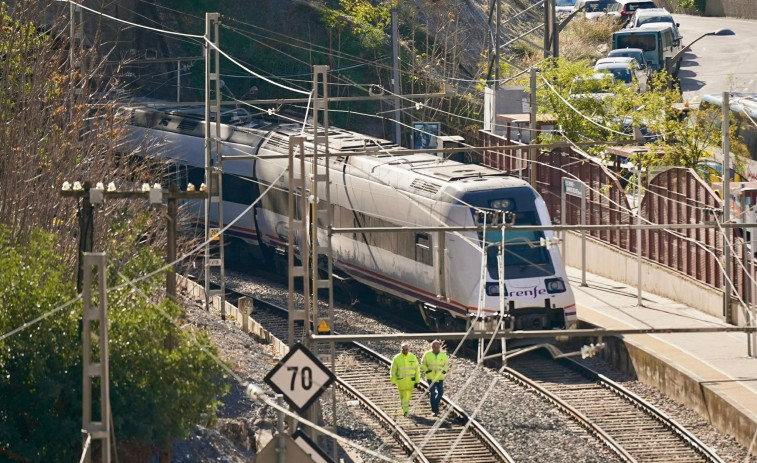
711	373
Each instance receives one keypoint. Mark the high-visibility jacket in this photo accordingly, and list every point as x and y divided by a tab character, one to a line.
435	366
405	372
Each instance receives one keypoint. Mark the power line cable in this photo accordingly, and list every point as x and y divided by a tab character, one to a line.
123	21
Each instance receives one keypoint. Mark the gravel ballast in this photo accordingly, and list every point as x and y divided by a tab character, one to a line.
528	429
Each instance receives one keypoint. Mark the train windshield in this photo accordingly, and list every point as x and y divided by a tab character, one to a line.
525	257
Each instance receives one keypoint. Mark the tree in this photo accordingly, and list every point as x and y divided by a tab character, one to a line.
164	379
571	95
58	124
590	109
40	367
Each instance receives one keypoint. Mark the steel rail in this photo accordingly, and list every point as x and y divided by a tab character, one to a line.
668	422
412	449
389	424
582	419
682	438
477	428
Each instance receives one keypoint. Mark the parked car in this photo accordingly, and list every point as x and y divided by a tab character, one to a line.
597	86
622	10
623	69
563	8
658	40
651	16
593	8
635	53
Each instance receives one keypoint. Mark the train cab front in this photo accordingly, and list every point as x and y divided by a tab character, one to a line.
526	276
524	272
533	303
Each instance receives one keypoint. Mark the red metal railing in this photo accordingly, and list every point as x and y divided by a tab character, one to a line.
675	195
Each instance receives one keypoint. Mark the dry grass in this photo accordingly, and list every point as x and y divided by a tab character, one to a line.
587	38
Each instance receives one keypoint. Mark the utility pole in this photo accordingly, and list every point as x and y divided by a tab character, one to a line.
496	51
547	28
92	196
86	233
555	30
396	77
532	129
551	29
213	163
727	234
322	250
95	364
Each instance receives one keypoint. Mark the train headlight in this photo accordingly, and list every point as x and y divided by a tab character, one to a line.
492	289
555	285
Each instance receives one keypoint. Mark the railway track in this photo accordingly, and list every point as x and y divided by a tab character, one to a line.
630	426
627	425
453	437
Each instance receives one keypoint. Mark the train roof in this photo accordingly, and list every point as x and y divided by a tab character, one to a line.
424	174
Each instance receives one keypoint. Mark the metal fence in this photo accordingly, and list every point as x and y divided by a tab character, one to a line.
674	195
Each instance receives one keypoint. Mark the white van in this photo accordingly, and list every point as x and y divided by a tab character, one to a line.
653	15
658	40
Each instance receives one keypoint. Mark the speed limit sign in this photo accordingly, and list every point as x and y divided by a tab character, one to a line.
300	377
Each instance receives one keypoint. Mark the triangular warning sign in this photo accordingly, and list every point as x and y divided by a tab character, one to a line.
323	327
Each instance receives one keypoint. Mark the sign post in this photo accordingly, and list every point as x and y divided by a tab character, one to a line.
576	188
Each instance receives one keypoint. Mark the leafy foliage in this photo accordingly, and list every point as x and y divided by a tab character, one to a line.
587	111
40	367
692	5
164	379
369	21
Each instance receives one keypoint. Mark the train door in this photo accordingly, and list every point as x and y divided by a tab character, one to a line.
441	265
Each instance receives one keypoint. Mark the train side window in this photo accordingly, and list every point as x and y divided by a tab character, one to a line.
177	174
423	249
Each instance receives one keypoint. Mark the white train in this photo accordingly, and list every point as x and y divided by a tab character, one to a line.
440	273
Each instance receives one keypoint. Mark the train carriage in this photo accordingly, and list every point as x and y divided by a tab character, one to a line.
450	276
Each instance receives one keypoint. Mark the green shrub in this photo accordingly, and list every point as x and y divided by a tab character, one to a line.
164	380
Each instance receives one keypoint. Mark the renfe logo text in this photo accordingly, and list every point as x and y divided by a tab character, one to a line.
533	292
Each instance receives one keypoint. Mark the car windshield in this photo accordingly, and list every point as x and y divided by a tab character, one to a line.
594	7
622	74
655	19
636	6
644	42
629	54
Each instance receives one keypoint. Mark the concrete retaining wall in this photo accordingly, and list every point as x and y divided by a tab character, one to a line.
609	262
236	315
732	8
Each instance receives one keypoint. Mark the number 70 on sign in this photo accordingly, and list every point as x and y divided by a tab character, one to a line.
300	377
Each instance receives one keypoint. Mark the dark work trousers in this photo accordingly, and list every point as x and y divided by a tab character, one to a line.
435	393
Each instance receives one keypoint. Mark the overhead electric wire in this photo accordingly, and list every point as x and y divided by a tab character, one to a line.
123	21
310	94
202	37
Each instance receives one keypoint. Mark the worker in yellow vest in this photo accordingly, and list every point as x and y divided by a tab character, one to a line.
436	365
405	374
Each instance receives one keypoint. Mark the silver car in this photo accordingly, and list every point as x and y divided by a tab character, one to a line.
623	69
635	53
651	16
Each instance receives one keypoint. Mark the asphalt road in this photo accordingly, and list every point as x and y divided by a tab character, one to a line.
716	64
